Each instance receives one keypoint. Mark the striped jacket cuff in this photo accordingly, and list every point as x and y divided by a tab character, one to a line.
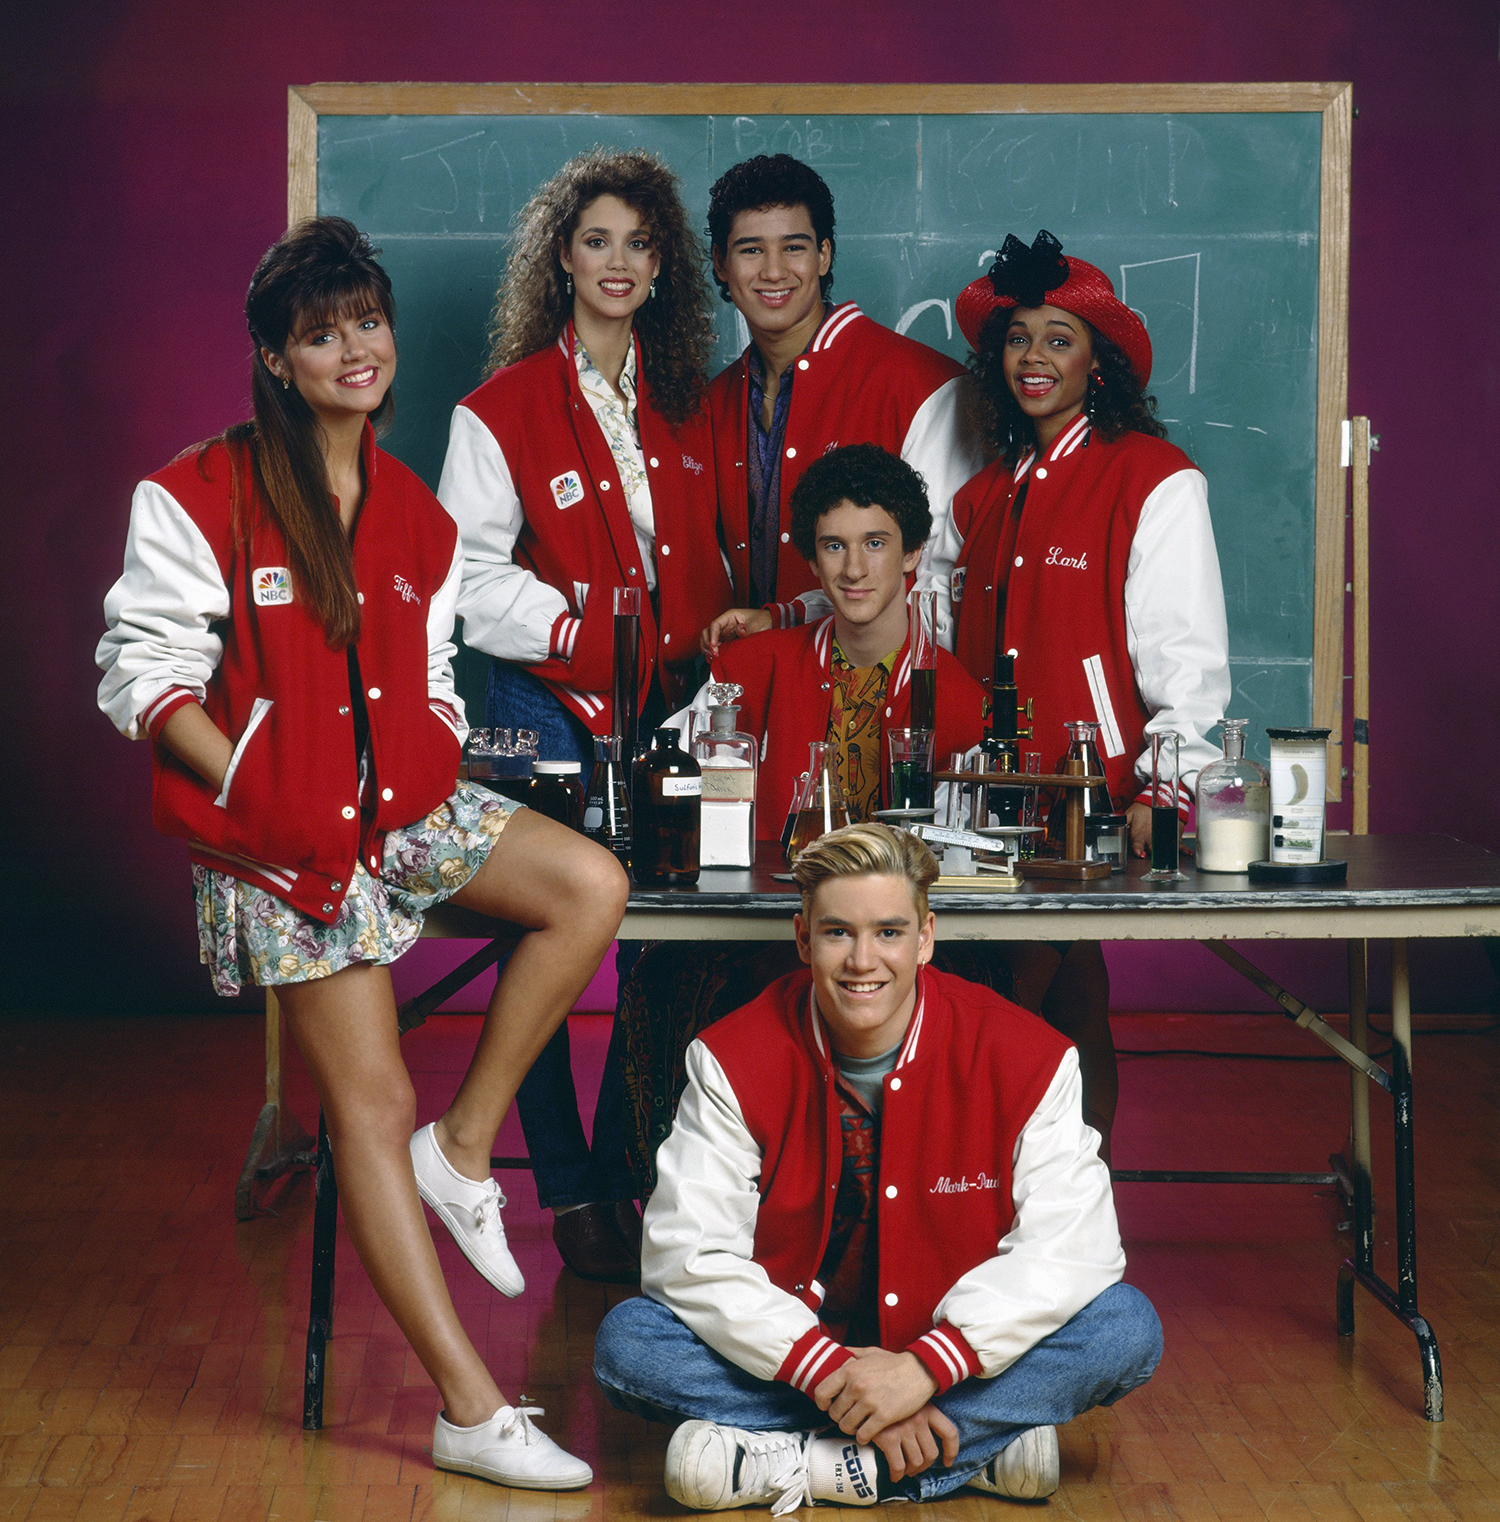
814	1356
164	707
946	1355
565	636
1184	801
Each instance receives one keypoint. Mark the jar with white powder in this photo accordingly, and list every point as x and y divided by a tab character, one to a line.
1234	807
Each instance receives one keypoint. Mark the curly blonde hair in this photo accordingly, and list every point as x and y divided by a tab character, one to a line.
532	305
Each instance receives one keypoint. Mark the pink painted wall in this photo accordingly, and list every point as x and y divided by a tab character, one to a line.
144	172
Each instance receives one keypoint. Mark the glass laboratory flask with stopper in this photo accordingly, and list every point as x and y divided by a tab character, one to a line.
666	797
1234	807
727	759
820	806
1082	733
606	800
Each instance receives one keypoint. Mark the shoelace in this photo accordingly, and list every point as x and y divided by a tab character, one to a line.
776	1464
518	1423
487	1211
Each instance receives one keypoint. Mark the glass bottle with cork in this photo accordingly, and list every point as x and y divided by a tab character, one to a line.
1234	806
727	759
666	797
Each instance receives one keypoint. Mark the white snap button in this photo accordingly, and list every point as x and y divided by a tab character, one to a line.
666	549
1041	472
892	1298
632	570
374	692
348	811
802	364
666	639
825	686
360	596
895	1084
337	887
604	485
791	454
374	865
742	546
786	538
1018	560
989	589
653	462
890	1191
887	713
1012	651
387	794
343	708
327	908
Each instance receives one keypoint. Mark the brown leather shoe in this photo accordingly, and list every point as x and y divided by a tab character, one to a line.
592	1243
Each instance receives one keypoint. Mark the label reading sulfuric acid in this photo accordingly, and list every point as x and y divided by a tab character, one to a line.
682	787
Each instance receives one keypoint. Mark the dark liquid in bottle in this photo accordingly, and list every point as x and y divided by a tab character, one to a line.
627	643
923	700
911	785
1164	839
664	842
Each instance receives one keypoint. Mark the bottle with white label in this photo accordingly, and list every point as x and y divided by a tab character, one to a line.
1234	807
727	759
666	798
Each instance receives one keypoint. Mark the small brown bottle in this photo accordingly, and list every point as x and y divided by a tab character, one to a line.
665	806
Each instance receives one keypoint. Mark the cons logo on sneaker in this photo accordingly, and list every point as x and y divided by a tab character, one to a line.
567	489
862	1484
272	585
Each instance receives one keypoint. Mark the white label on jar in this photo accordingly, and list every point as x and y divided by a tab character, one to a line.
682	787
593	817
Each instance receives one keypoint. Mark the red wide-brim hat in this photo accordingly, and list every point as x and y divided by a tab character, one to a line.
1043	275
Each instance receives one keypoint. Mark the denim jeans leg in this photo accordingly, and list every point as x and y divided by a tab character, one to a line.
648	1362
1109	1348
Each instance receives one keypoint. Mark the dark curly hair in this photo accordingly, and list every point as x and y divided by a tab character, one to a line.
1116	404
867	476
532	305
775	179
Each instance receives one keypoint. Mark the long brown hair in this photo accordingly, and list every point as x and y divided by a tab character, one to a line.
322	270
532	305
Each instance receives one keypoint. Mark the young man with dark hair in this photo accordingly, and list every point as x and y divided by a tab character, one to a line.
881	1261
813	377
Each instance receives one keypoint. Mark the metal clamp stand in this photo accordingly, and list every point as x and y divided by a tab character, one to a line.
1073	867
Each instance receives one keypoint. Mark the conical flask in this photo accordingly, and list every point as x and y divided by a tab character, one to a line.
820	808
1096	801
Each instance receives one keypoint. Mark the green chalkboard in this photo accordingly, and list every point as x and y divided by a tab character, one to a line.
1209	221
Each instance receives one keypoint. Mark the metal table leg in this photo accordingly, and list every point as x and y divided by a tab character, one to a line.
320	1309
278	1144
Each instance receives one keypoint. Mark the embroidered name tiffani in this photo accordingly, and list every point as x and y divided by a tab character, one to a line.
1073	562
946	1185
406	589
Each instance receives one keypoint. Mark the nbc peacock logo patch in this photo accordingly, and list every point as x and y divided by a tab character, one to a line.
273	586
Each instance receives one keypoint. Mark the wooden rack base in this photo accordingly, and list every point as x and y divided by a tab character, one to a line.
1072	867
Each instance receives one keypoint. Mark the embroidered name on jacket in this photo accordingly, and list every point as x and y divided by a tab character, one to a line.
946	1185
1055	556
689	463
273	586
406	589
567	489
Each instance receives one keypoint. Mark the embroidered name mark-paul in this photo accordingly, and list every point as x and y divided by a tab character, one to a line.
1073	562
946	1185
273	586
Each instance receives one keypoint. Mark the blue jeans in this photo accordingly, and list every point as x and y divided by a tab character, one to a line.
648	1362
567	1168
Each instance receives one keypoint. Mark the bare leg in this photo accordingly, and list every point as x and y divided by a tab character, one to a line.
1077	1004
346	1028
570	894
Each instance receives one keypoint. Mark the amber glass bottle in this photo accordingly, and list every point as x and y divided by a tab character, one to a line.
666	797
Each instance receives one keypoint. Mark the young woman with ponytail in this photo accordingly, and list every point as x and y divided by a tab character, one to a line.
281	632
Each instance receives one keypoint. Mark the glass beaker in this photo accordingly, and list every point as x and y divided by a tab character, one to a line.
626	668
1031	766
821	807
910	776
1165	829
1096	800
1234	807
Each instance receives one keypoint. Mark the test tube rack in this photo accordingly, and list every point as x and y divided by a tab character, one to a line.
1072	867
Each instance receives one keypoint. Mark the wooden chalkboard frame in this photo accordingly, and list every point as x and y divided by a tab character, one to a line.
1333	101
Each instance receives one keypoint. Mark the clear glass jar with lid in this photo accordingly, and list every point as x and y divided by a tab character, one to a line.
1234	807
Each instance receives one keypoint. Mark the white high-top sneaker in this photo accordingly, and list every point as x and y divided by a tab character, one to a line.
711	1467
1026	1470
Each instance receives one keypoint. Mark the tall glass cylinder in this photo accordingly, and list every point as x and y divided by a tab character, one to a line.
923	607
627	668
1165	778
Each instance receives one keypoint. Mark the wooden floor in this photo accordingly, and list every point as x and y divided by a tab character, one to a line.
151	1348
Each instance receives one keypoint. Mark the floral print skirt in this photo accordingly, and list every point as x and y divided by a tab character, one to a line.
249	936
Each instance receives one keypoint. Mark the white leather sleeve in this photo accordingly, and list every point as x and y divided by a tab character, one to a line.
159	615
441	610
1063	1248
944	448
699	1230
1176	629
507	610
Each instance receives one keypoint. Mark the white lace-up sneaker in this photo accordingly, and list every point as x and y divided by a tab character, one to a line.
1027	1470
508	1450
712	1468
469	1209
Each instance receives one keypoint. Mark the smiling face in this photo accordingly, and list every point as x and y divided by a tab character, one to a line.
864	941
612	259
1047	358
773	265
860	564
342	368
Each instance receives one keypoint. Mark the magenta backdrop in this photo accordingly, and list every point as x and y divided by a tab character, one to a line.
145	152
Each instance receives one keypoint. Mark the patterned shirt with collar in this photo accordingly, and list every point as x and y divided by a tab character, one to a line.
617	422
854	718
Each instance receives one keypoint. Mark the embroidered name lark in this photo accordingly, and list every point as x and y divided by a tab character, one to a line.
946	1185
1073	562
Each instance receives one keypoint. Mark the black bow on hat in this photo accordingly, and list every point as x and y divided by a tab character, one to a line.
1027	274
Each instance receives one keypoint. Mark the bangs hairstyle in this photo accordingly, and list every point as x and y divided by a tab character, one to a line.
867	476
532	305
1117	404
866	850
770	180
322	272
